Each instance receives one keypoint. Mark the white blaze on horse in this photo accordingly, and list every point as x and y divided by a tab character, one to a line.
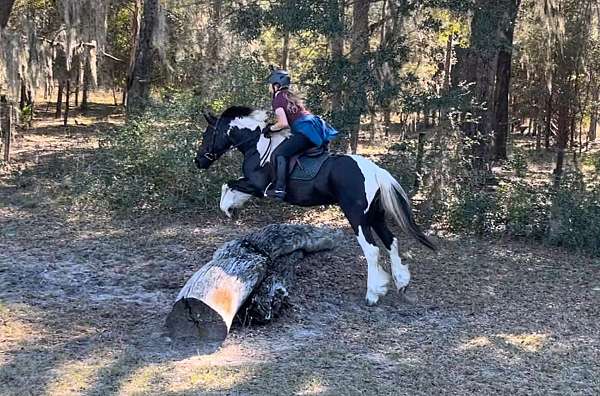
364	191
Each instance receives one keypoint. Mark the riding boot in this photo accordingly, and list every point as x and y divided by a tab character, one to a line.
280	179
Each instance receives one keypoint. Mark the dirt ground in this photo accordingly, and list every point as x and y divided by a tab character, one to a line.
84	295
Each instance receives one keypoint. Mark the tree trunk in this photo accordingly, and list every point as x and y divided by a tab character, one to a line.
448	63
592	133
477	64
336	79
214	38
61	85
386	120
419	165
86	86
356	97
372	125
67	93
501	124
248	278
23	95
80	73
114	94
562	138
5	10
503	76
285	51
549	115
141	61
6	126
538	137
84	99
572	128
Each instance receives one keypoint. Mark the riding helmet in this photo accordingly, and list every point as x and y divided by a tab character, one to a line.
280	77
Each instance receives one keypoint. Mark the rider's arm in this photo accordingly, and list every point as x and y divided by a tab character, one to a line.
282	121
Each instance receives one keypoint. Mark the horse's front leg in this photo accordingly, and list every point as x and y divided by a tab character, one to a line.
232	197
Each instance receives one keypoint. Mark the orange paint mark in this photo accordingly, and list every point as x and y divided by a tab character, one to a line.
222	298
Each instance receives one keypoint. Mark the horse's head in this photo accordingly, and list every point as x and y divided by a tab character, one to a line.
236	126
215	141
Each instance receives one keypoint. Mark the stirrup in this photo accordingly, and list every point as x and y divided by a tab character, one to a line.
277	194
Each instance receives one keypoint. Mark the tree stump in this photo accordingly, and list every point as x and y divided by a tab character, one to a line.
248	278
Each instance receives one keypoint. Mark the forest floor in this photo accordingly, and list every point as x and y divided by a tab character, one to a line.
84	295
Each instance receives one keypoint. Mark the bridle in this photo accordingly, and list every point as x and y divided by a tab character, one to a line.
211	155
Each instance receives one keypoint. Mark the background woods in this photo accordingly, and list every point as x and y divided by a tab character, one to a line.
485	111
488	109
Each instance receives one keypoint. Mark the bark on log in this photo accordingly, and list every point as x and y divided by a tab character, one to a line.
248	278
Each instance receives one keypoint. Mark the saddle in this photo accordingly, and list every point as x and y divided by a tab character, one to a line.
306	165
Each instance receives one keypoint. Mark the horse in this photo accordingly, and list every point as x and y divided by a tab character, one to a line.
364	191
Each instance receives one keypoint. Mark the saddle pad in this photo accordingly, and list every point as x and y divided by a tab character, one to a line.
307	167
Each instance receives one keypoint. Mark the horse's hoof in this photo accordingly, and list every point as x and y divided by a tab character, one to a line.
371	299
409	298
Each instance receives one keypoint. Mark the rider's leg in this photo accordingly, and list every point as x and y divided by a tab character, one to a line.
295	144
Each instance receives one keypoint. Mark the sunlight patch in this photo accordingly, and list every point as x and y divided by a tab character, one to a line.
72	378
209	378
314	386
527	342
477	342
12	329
532	342
146	380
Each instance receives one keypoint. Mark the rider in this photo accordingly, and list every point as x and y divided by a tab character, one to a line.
307	129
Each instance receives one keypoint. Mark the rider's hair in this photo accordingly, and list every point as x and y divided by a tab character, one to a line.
294	101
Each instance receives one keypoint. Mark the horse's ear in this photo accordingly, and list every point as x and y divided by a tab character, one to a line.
210	118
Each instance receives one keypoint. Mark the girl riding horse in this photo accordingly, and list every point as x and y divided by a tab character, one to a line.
307	129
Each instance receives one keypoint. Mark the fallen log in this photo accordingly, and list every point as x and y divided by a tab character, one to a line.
249	277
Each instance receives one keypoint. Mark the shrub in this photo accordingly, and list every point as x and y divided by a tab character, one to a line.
148	163
575	221
527	210
518	163
475	211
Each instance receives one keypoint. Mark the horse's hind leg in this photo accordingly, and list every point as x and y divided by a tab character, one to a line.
400	272
377	278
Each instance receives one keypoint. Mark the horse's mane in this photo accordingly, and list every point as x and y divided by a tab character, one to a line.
237	111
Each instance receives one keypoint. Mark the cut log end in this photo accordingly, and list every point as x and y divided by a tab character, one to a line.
193	319
248	278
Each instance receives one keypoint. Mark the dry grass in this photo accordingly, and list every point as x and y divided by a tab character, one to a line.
83	296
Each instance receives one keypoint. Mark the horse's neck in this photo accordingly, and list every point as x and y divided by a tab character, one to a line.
266	146
245	141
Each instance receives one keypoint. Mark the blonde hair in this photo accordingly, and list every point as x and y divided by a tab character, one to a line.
294	101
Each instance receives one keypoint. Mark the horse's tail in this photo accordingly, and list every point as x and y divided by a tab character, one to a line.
395	202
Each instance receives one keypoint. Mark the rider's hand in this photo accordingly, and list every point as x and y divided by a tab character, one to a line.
267	131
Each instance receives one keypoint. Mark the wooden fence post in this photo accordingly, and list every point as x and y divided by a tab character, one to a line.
6	126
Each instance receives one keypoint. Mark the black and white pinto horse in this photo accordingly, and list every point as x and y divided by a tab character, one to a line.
364	191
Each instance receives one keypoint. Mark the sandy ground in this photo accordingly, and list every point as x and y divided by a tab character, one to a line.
84	295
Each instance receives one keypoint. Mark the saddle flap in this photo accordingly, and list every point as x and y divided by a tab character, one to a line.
304	167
